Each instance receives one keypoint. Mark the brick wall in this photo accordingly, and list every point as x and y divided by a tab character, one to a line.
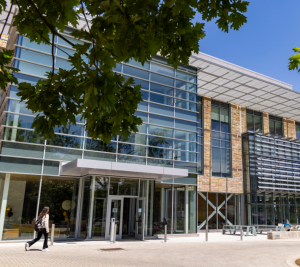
289	128
266	122
207	182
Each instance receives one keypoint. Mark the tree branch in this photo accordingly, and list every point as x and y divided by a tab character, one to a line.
53	61
6	20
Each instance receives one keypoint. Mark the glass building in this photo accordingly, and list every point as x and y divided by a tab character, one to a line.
218	145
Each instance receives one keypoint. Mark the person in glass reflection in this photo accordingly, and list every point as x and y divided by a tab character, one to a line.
42	228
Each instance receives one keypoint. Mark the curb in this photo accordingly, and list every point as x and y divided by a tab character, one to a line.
291	262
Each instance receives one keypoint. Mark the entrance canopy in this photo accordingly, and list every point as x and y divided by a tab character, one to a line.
82	167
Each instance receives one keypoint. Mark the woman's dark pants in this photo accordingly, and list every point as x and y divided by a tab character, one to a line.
39	235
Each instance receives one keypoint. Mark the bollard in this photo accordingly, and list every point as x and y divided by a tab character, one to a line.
241	230
165	237
115	234
206	233
52	233
112	229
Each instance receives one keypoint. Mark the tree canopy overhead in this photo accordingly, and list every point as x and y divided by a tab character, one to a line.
117	31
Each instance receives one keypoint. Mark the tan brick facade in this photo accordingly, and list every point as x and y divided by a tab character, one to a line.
266	122
289	128
207	182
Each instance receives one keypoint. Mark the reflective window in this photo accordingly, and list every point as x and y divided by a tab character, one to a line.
162	69
275	125
254	120
136	72
297	130
33	56
220	142
154	87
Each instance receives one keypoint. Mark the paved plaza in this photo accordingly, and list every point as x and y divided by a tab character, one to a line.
219	251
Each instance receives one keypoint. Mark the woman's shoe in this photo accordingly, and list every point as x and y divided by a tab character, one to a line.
45	250
26	246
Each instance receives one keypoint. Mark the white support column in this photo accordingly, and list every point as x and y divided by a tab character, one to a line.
186	209
91	209
4	203
147	207
161	205
151	209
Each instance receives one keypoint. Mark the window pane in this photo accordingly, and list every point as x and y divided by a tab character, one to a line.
215	114
22	200
33	56
155	119
134	138
144	84
162	70
143	106
186	105
130	149
278	126
62	154
142	115
26	78
18	107
60	195
161	99
186	76
65	141
20	165
31	68
184	156
186	86
161	131
186	95
156	152
22	150
160	141
70	129
215	126
185	135
224	115
51	167
99	145
250	123
74	41
24	41
216	162
161	89
272	126
161	110
19	120
186	115
185	145
63	64
258	123
225	127
162	79
22	136
136	72
186	125
99	156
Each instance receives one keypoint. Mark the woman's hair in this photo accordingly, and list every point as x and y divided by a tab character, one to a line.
44	211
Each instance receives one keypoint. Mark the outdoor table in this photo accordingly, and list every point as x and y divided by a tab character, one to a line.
233	228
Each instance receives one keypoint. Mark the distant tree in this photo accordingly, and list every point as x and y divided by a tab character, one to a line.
117	31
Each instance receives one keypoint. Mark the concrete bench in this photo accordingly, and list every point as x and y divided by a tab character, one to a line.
234	228
283	235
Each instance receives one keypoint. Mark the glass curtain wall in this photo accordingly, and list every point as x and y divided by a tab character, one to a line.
221	139
19	196
218	209
171	134
272	208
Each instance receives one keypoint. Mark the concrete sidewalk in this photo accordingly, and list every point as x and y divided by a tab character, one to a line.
221	250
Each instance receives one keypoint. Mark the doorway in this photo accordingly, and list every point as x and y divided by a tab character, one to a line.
129	214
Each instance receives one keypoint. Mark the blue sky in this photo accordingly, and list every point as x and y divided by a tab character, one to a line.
264	44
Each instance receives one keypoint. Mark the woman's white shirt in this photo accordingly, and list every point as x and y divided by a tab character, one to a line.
45	222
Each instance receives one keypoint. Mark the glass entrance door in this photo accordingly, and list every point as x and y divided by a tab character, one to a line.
115	210
140	218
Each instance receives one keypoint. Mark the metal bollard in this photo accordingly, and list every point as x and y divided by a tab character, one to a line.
241	230
165	237
52	233
112	229
206	233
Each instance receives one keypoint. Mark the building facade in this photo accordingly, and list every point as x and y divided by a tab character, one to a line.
218	145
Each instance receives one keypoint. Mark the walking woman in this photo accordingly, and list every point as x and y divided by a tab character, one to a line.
42	227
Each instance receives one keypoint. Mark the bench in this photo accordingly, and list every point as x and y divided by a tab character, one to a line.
269	228
245	228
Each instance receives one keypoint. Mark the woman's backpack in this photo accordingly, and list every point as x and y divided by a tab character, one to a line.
38	224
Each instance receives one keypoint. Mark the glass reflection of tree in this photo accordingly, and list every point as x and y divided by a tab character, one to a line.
99	145
65	140
158	142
